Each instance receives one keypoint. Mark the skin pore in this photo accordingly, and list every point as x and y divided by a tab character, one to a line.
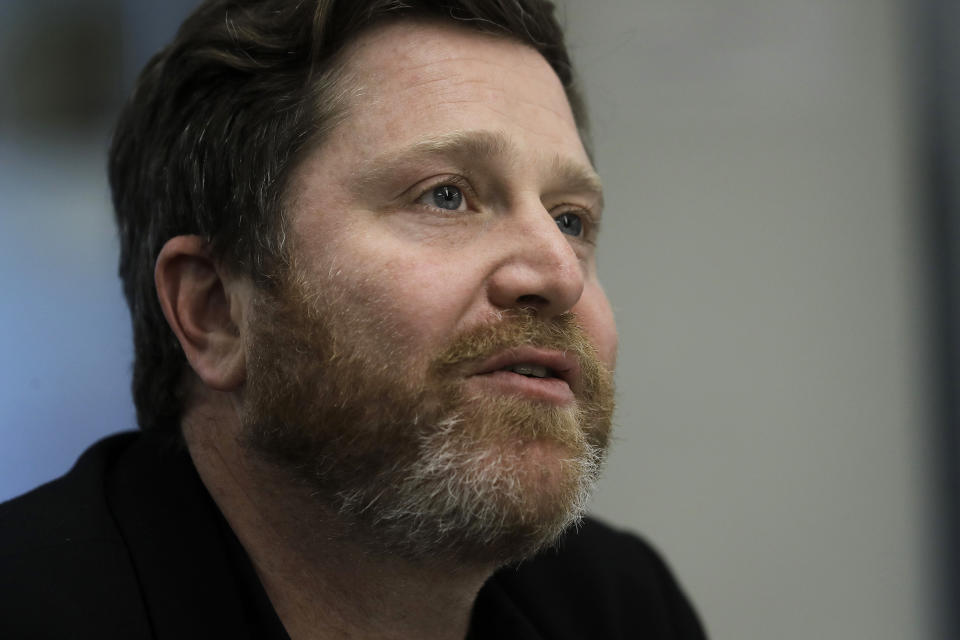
455	195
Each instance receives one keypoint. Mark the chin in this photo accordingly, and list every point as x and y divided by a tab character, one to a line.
478	503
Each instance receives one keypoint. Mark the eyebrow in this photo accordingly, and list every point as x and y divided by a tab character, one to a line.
482	145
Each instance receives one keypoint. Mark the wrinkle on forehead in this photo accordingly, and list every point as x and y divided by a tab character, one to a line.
420	51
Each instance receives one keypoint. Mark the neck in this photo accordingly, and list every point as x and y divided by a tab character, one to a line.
322	583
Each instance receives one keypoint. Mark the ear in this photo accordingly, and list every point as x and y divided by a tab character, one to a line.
205	308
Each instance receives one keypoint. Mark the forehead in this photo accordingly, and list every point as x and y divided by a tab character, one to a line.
415	79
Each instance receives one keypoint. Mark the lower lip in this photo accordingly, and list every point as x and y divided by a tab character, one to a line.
551	390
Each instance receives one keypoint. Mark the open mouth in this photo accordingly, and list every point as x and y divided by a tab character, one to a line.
543	374
532	370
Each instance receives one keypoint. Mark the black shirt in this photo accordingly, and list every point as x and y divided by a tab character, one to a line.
129	544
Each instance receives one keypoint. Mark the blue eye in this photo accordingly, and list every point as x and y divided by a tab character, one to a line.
570	224
447	196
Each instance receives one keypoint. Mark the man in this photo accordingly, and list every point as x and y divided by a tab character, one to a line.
373	359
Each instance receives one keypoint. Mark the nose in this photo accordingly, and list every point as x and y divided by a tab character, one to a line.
538	268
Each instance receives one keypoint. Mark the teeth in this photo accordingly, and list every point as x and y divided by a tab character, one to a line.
532	370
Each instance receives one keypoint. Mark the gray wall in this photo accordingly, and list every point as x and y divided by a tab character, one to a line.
762	252
762	255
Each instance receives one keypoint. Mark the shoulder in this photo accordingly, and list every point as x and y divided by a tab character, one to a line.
66	511
63	562
599	582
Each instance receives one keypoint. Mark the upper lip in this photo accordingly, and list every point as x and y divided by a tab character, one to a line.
564	364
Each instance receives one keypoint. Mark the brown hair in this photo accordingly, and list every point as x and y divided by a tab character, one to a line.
218	119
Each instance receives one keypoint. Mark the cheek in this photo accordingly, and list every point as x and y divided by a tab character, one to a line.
422	298
595	315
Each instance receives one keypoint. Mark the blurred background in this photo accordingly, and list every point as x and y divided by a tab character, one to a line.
780	250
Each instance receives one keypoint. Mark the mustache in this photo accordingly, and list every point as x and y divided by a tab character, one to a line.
516	328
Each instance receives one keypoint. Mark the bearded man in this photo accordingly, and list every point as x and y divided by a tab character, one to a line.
373	358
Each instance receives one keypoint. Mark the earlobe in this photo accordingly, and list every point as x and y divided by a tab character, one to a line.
199	303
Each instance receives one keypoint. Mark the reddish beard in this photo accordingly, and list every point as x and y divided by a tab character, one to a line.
392	444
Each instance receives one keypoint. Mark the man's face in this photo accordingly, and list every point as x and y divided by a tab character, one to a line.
438	364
